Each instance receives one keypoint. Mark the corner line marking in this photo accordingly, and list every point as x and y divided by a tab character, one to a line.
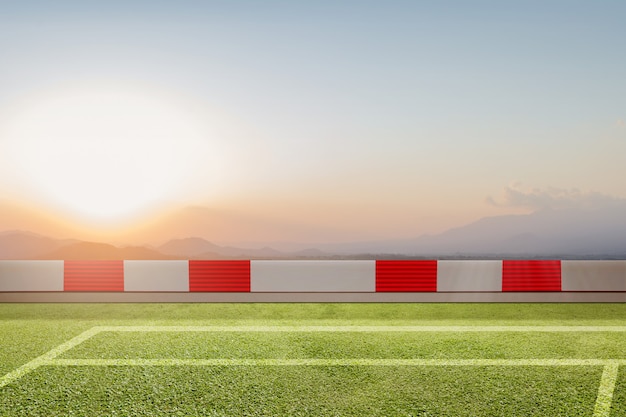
48	356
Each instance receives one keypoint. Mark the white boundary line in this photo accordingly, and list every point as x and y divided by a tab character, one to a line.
605	391
602	406
46	357
335	362
446	329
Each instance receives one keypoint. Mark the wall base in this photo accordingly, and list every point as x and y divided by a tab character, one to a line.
299	297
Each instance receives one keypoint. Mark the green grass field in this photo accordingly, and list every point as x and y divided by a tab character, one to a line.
313	360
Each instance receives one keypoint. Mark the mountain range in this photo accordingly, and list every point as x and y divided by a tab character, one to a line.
574	233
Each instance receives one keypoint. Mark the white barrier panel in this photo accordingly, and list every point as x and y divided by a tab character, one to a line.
31	275
454	276
313	276
593	275
156	276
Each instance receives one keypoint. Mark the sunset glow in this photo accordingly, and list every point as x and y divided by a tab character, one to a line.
103	153
306	122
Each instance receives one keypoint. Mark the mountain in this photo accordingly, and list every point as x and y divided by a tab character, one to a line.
567	232
16	244
190	247
97	251
198	248
27	245
575	232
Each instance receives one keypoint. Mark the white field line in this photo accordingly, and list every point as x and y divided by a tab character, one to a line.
336	362
46	357
605	391
603	401
280	329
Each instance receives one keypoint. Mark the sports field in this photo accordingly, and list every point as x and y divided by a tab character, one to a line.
313	359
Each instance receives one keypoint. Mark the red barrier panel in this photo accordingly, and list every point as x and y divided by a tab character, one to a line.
219	276
406	276
534	275
93	276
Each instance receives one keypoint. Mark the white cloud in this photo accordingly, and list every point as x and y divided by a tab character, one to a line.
516	195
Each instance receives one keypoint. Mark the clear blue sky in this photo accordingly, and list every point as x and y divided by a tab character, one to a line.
397	117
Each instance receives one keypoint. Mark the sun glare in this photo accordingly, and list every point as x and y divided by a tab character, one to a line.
106	154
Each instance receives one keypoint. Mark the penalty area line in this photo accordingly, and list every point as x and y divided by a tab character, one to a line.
288	328
605	391
47	357
602	406
336	362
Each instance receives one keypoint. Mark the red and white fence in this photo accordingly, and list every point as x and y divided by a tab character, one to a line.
298	276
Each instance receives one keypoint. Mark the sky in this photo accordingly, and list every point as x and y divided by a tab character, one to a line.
363	119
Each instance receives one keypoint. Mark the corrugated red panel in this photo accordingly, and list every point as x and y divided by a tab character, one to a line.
532	275
219	276
406	276
93	276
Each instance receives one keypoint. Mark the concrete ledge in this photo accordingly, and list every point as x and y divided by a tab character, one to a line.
321	297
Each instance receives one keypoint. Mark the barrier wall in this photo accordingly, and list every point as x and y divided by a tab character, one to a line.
471	276
312	276
31	275
406	276
94	276
593	275
170	276
380	280
219	276
532	275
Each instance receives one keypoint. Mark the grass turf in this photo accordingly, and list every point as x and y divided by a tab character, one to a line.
29	330
401	345
305	391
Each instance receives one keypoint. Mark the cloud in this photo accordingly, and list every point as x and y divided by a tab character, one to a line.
620	123
516	195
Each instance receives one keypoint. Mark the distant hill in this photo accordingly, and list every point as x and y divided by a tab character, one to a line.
198	248
97	251
191	247
578	233
26	245
16	244
572	232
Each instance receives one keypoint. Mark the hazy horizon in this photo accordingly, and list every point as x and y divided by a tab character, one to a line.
306	121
